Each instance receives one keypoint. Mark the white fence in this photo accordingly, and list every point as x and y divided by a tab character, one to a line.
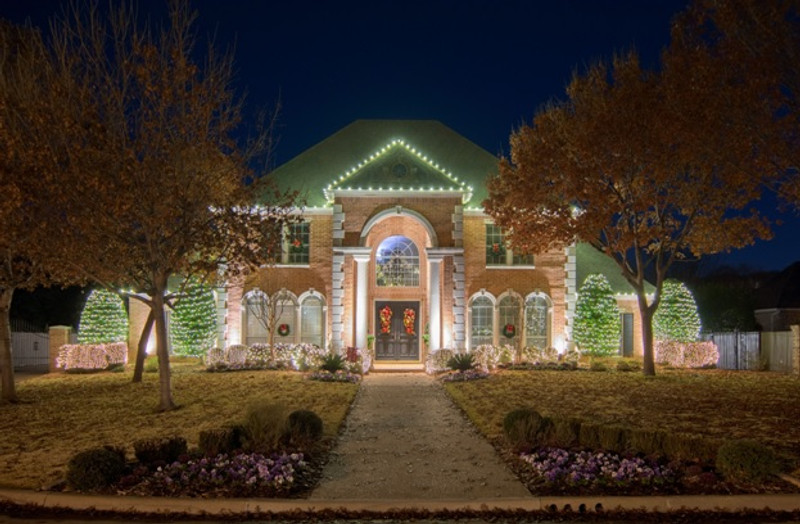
30	351
768	350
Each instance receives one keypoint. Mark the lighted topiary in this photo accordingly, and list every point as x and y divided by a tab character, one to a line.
597	326
676	318
194	321
103	319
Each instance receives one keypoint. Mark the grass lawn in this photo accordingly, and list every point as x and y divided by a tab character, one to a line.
63	414
712	403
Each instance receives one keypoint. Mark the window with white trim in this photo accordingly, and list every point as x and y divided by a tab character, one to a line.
397	263
255	332
312	321
296	244
508	318
481	321
498	254
537	321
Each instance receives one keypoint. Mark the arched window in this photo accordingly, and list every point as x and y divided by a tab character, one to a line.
312	320
397	263
481	321
508	312
255	308
537	321
285	305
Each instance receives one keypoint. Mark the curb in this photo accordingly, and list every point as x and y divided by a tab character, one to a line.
229	507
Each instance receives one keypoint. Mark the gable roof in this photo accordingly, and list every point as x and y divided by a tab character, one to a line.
590	260
364	154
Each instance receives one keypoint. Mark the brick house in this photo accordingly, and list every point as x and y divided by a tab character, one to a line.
394	245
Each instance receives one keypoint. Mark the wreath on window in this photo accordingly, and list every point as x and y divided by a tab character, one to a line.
497	249
284	330
509	331
408	320
386	319
297	246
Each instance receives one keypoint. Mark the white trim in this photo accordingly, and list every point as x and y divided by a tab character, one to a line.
468	314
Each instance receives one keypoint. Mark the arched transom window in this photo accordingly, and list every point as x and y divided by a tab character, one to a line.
397	263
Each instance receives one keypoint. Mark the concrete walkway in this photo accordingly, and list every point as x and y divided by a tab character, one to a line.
404	439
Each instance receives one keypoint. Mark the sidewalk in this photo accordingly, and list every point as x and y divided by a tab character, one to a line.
404	439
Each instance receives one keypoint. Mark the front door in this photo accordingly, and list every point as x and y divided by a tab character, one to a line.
397	330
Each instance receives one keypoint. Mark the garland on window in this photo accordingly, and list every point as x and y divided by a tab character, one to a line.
284	330
409	315
386	319
509	331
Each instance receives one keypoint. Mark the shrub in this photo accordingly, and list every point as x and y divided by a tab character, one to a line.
333	362
597	365
217	441
597	327
159	451
566	433
339	376
649	442
103	319
683	446
303	427
193	325
91	357
589	436
95	469
676	318
437	361
686	354
525	427
264	427
151	364
461	362
488	357
746	461
628	365
236	355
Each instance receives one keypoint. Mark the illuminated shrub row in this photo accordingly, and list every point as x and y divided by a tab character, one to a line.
91	357
686	354
300	357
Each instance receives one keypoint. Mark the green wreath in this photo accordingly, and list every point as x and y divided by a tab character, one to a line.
509	330
284	330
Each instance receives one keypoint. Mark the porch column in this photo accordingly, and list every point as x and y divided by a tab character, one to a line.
434	302
362	300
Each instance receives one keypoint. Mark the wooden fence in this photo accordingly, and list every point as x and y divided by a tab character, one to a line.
753	350
30	351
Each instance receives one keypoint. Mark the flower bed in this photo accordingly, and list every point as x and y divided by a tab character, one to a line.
241	475
464	376
339	376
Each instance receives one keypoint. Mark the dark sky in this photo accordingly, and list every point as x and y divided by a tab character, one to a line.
480	67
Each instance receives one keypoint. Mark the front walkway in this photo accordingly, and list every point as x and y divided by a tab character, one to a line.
404	439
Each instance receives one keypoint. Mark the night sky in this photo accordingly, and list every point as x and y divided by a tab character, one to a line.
480	67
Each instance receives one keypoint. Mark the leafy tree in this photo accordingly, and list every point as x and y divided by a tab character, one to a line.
103	319
151	184
677	318
194	321
647	166
597	328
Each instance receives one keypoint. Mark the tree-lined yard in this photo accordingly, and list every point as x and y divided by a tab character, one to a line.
65	414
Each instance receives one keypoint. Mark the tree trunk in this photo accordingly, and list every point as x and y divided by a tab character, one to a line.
141	351
648	361
165	386
9	391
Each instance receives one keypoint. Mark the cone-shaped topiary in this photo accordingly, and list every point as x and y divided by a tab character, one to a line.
103	319
597	328
676	319
194	321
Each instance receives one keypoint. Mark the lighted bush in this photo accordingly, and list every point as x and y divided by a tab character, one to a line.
91	357
686	354
437	361
597	327
488	357
193	324
746	461
676	318
301	357
103	319
95	469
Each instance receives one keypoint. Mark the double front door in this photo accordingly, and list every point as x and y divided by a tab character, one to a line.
396	330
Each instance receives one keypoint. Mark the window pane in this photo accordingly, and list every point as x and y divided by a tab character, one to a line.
522	260
536	322
298	237
495	246
508	310
312	322
481	313
397	263
255	332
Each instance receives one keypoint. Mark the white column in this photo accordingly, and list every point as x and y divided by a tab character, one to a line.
362	306
434	302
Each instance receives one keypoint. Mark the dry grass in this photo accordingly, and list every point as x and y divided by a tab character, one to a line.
713	403
63	414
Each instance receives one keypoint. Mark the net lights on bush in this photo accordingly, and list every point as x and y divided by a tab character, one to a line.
103	319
